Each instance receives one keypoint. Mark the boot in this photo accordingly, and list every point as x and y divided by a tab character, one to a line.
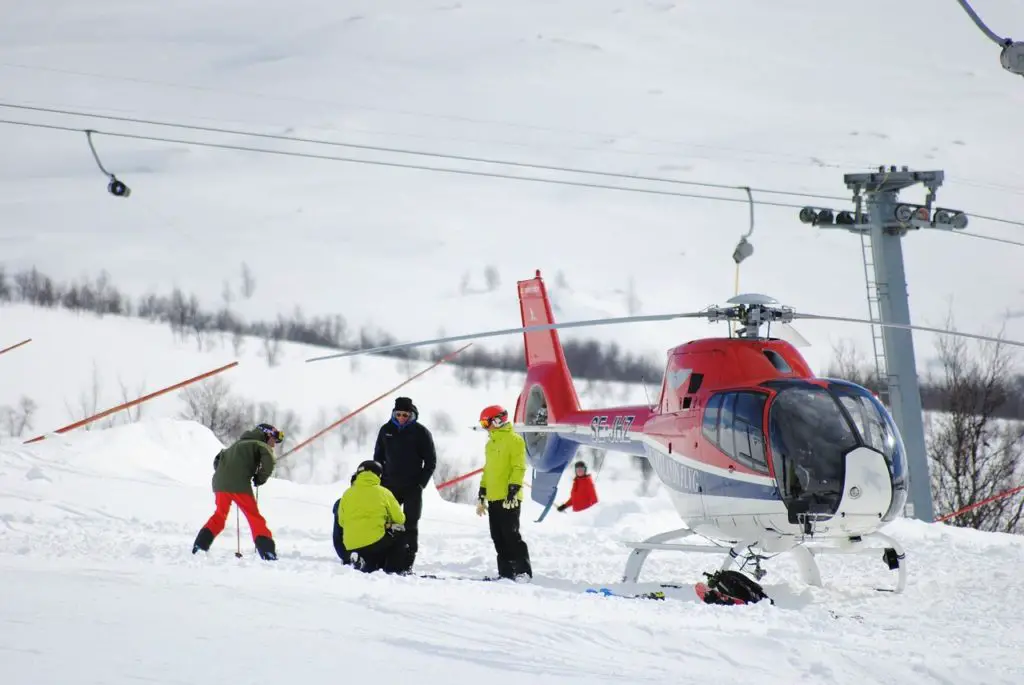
265	546
505	568
203	541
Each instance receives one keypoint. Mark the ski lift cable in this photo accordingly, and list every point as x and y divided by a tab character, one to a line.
467	172
374	148
989	237
409	151
400	165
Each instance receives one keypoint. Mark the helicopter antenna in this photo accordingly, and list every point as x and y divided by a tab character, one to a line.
647	394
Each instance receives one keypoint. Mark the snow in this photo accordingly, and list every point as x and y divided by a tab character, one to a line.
96	528
100	587
790	95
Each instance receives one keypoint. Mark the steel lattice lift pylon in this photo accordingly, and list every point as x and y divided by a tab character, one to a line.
882	220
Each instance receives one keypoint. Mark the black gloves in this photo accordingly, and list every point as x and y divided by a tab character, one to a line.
511	501
563	507
482	494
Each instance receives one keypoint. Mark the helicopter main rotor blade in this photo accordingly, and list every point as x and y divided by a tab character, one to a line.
791	335
511	331
941	331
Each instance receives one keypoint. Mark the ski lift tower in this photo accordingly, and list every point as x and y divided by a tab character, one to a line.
882	220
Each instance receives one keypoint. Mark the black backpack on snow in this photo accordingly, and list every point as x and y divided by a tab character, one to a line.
732	587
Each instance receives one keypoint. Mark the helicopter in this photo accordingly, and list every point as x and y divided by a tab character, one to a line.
758	454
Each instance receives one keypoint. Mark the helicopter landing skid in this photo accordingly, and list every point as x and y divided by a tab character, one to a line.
892	555
892	551
641	550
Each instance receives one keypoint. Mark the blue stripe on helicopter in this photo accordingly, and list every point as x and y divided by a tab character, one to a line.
626	445
690	480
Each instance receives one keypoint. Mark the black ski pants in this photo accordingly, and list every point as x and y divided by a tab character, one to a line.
390	554
513	554
411	499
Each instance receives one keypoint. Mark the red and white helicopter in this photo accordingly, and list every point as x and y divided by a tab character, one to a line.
754	450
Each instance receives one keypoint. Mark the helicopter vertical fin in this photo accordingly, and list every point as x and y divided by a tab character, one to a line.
549	395
545	358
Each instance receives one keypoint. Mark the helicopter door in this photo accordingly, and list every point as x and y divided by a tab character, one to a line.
809	437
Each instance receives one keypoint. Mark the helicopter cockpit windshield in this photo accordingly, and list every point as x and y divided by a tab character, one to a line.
811	428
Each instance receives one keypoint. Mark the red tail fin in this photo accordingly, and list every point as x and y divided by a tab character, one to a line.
545	359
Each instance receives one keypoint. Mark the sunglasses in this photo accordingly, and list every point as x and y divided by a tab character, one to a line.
403	414
275	435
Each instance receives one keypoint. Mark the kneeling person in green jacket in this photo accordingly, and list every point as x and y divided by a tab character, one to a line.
372	524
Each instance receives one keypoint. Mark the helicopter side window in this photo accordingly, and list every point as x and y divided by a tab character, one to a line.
747	433
710	426
726	439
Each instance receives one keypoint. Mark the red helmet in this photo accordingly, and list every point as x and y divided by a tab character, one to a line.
493	416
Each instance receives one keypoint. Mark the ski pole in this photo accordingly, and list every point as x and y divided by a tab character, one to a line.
257	507
238	536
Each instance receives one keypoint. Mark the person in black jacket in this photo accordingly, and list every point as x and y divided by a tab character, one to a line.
405	450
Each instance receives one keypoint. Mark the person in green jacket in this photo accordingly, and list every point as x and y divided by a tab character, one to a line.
248	461
373	524
501	492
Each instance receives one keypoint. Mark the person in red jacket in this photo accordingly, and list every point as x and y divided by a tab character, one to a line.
583	494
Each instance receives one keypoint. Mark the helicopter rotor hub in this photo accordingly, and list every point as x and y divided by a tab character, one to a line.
751	317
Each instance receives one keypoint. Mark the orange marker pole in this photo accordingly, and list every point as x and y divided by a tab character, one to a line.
14	347
144	398
350	415
970	507
463	477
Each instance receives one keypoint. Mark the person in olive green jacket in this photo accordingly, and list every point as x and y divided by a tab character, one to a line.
501	492
372	523
248	461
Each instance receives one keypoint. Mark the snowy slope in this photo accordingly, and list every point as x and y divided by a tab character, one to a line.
79	362
99	587
787	95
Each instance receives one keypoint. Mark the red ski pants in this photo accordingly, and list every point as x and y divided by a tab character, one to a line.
245	502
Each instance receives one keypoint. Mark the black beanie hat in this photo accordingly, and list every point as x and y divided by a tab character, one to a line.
405	404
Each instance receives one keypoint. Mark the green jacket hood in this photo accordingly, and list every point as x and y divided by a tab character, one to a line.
253	434
367	478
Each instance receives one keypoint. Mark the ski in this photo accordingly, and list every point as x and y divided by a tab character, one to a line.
480	579
606	592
